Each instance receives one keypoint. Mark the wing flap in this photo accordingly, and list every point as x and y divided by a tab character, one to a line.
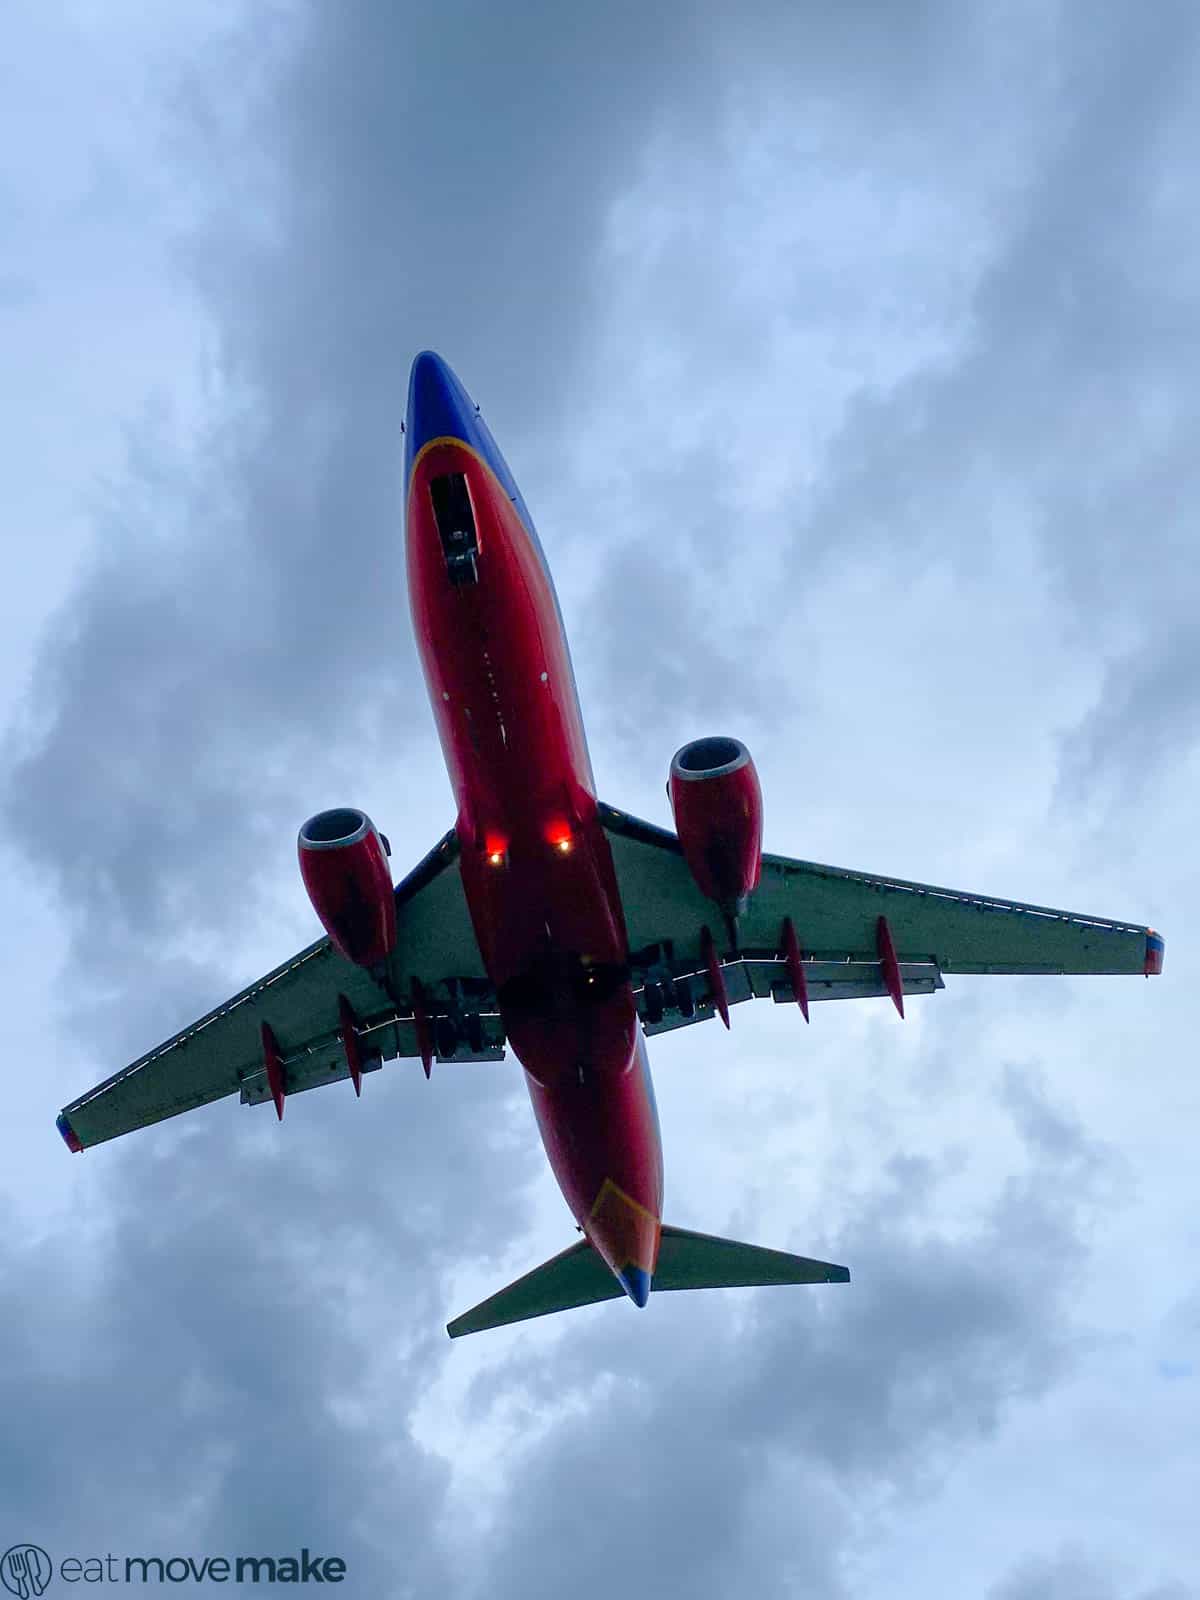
763	979
387	1039
318	1069
213	1056
221	1053
958	932
836	911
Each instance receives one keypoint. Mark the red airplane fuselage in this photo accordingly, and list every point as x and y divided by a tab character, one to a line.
536	865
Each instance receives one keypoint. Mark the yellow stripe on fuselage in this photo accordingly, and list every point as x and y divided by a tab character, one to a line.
449	438
610	1193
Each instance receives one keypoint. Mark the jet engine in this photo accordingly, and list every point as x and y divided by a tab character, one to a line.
717	801
343	861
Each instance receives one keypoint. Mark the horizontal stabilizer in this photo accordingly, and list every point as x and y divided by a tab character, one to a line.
577	1277
699	1261
581	1277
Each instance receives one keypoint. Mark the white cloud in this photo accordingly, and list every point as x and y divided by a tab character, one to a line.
846	363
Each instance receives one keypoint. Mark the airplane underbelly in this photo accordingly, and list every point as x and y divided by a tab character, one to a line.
536	863
602	1139
495	656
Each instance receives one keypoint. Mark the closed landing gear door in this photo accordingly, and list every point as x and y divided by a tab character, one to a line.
455	518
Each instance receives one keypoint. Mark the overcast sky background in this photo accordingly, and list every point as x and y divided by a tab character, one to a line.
847	359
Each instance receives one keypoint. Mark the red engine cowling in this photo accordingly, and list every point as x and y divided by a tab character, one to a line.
717	801
343	861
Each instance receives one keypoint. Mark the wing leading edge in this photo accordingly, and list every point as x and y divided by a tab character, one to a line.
435	998
435	968
836	914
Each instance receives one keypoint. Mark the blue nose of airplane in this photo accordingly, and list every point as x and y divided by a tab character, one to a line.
440	408
438	405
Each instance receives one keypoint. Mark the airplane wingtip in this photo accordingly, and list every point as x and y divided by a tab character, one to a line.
69	1137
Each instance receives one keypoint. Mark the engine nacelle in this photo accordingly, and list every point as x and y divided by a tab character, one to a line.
717	801
343	861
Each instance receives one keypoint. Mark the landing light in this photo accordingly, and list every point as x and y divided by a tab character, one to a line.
558	835
496	858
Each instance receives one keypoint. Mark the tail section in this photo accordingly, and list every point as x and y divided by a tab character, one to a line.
580	1277
700	1261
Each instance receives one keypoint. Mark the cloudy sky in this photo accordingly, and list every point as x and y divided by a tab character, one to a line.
847	359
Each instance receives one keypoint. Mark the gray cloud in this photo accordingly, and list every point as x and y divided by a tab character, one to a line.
1072	1575
752	1433
230	1336
1147	715
247	599
246	596
1069	409
225	1357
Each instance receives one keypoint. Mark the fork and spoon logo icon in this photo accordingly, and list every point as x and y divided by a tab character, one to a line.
25	1570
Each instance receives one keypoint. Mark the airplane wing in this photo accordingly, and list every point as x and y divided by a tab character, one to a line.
836	915
435	968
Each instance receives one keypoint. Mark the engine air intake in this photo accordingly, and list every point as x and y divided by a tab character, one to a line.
717	802
343	861
330	829
709	756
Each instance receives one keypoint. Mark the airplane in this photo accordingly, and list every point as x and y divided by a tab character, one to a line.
551	922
